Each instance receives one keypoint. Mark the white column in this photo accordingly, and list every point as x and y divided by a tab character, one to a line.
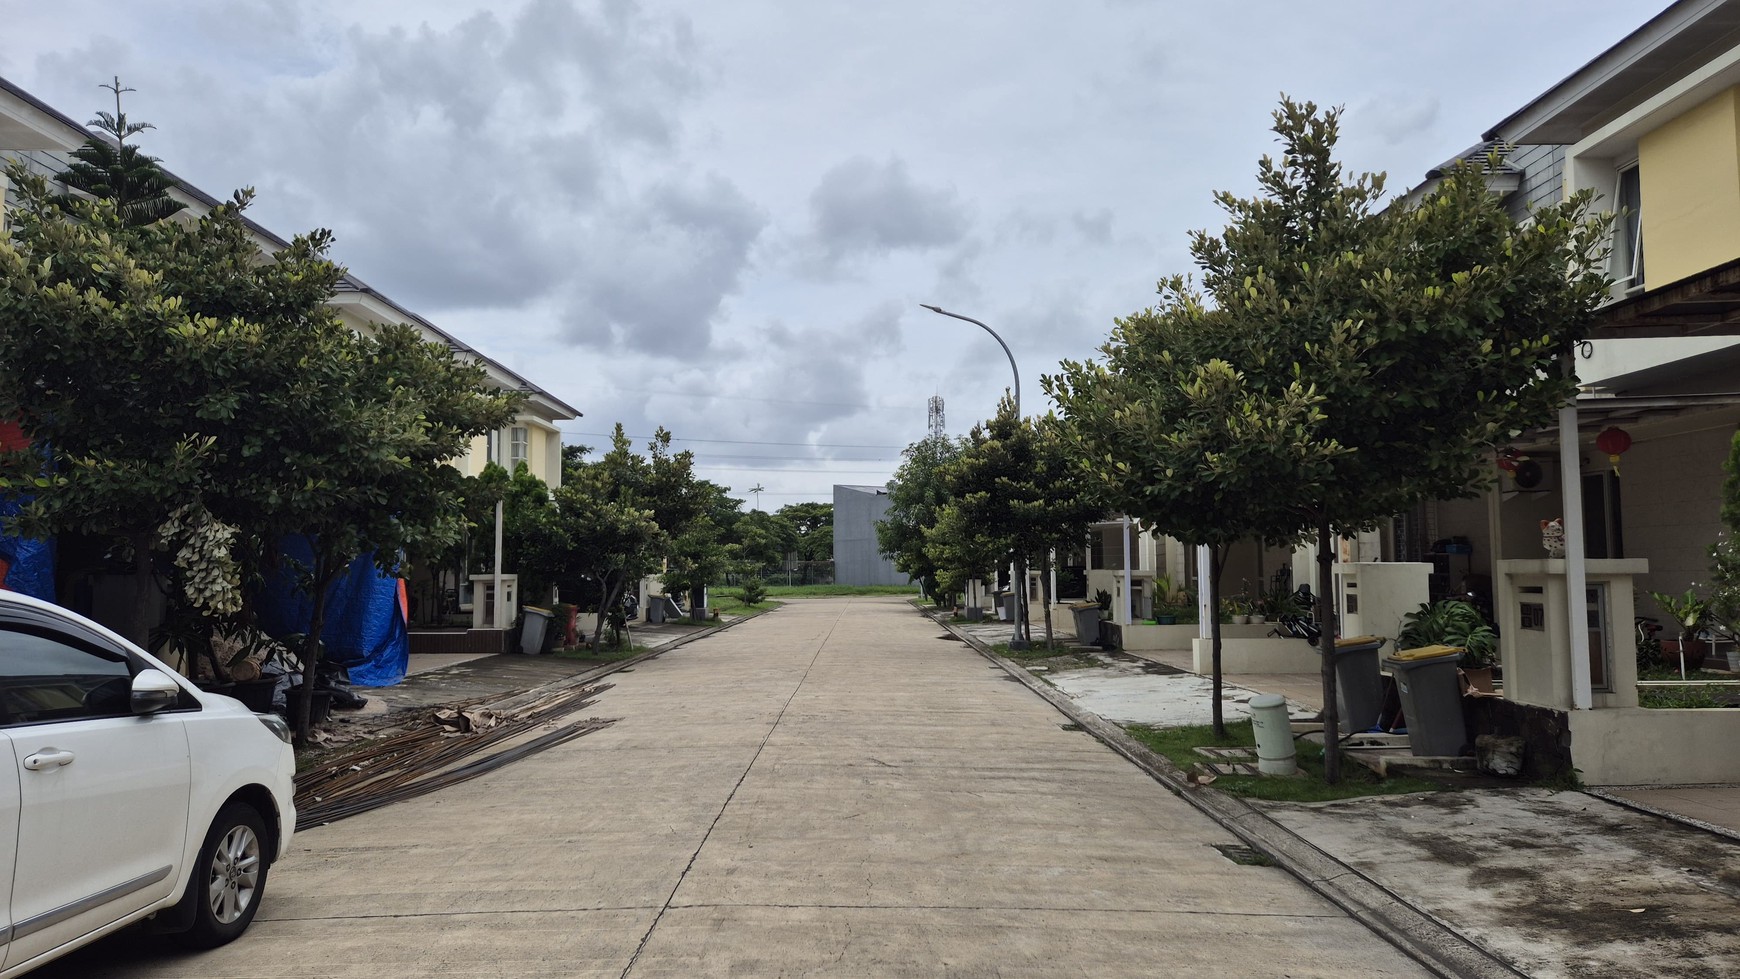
1204	570
1128	618
495	622
1576	575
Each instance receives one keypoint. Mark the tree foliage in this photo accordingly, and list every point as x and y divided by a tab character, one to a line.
1343	361
814	526
1014	491
111	169
916	496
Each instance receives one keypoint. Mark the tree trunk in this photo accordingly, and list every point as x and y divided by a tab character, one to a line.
1326	646
608	595
144	584
323	576
1045	594
1215	563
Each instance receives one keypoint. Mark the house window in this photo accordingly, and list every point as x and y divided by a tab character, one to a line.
519	448
1628	231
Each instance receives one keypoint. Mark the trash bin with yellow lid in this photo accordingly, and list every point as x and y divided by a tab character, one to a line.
1431	699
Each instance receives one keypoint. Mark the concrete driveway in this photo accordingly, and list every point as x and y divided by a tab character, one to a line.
829	789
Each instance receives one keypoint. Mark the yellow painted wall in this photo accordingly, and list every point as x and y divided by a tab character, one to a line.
1690	176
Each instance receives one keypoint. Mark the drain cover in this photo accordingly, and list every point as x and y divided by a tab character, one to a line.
1243	855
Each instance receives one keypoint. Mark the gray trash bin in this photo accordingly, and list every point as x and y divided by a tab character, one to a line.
534	625
1087	622
1431	699
1359	684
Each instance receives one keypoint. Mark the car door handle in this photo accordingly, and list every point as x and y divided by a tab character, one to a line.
48	758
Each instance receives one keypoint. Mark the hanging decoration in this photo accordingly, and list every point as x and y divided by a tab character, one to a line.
1613	440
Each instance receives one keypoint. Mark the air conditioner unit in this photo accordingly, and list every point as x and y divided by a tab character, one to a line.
1532	475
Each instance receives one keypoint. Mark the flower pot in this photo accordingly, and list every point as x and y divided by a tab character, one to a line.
1479	678
255	695
1166	619
1241	620
319	705
1258	618
1696	650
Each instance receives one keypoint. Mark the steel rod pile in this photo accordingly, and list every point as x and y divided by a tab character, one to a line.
440	749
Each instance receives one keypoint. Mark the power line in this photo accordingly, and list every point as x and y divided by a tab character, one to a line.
769	401
781	469
818	445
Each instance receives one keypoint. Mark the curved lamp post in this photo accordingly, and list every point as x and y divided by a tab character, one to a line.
1020	587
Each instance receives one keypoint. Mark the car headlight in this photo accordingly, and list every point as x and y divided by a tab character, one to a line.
276	725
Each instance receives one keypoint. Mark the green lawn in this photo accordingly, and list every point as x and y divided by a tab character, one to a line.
830	591
729	601
1178	744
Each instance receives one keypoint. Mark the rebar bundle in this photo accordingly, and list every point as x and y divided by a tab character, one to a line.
440	749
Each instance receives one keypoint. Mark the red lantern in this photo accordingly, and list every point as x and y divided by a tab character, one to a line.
1613	441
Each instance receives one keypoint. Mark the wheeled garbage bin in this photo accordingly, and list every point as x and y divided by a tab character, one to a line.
1087	622
533	626
1431	699
1359	685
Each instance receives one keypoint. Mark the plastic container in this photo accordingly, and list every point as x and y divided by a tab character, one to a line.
1359	684
1431	699
1087	622
534	625
1274	734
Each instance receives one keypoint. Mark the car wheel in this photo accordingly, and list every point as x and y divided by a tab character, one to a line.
229	878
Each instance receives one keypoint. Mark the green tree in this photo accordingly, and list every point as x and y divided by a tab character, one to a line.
363	468
150	363
600	536
1014	489
916	496
111	169
762	540
1397	343
814	523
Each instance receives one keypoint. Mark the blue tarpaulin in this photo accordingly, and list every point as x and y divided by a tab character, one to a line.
29	563
365	628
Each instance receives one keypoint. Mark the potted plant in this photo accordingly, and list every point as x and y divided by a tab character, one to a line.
1453	622
1103	599
1692	614
1239	609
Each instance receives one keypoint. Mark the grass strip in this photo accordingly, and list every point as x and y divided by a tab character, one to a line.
1180	743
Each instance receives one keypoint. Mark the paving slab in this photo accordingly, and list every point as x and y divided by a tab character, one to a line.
1559	883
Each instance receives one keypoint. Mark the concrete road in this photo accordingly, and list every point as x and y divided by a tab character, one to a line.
828	790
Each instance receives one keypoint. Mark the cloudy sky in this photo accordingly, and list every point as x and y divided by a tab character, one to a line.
721	217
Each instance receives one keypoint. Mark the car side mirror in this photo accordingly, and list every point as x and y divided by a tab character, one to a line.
154	691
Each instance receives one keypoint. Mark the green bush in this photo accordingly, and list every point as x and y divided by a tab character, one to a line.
752	591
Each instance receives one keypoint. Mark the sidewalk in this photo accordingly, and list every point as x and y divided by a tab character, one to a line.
1555	883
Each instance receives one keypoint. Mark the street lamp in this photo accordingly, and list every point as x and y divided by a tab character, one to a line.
1017	642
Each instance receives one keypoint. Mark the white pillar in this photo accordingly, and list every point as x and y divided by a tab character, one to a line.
1576	575
1128	618
1204	571
495	622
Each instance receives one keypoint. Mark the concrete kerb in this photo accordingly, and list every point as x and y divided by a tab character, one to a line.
1422	936
1648	809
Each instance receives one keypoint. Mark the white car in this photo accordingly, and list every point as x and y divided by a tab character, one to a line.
133	793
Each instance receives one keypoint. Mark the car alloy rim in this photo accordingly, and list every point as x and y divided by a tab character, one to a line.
235	873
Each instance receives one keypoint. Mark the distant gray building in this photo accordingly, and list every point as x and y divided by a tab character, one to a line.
858	558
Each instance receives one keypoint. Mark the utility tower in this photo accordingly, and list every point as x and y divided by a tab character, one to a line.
937	428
